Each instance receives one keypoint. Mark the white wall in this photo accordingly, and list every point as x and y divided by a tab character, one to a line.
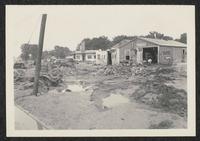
78	57
101	57
90	57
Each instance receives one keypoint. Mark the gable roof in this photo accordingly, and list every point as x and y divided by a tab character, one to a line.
161	42
121	43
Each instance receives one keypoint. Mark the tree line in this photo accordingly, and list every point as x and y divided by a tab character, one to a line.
104	43
29	51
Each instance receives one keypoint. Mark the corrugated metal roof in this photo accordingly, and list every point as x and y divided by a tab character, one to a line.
164	42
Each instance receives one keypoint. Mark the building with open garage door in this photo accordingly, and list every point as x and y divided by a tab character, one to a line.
140	50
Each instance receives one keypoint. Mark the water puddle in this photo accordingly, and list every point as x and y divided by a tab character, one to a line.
115	100
75	88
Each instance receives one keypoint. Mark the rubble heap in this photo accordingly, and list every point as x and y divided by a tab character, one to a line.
114	70
18	74
123	70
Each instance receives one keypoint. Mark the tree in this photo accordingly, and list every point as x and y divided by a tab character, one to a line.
60	52
167	38
183	38
157	35
29	51
119	38
96	43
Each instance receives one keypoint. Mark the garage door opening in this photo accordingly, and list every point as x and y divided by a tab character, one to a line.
150	53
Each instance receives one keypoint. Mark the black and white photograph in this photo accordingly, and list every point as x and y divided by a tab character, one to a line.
100	70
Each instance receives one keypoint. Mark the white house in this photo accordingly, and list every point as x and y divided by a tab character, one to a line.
87	55
101	57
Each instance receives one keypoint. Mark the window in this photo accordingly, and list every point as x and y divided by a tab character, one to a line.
94	56
127	54
127	57
89	56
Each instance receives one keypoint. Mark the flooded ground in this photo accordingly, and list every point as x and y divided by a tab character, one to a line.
114	100
88	101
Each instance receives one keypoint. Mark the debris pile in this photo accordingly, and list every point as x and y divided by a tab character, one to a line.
18	74
153	91
139	70
115	70
68	70
52	78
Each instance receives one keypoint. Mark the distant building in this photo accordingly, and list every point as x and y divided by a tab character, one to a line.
139	50
87	55
84	55
101	57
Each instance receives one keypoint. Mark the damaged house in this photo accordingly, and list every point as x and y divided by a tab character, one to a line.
84	55
140	49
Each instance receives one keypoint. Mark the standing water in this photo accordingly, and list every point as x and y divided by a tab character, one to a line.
75	88
115	100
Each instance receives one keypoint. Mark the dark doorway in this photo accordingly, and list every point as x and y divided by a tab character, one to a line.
150	53
109	59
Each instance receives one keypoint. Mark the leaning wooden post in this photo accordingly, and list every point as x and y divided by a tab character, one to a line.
39	54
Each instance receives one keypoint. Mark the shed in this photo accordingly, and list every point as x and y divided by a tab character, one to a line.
140	49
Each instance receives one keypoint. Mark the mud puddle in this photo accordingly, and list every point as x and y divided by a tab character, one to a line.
114	100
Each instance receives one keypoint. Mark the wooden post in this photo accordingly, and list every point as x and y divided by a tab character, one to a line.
39	54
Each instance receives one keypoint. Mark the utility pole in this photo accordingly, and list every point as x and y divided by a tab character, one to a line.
39	54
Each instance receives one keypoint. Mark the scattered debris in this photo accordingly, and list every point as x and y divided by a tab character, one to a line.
18	74
114	70
166	124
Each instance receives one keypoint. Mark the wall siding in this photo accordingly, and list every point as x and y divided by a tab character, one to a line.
132	46
178	55
164	53
101	57
175	53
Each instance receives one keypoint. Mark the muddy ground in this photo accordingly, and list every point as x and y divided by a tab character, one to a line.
114	97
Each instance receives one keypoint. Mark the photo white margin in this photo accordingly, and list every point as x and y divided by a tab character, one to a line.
191	87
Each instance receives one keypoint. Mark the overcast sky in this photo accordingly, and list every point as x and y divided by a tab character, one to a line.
68	25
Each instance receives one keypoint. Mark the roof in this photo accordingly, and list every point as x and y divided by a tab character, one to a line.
164	42
86	51
159	42
121	43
